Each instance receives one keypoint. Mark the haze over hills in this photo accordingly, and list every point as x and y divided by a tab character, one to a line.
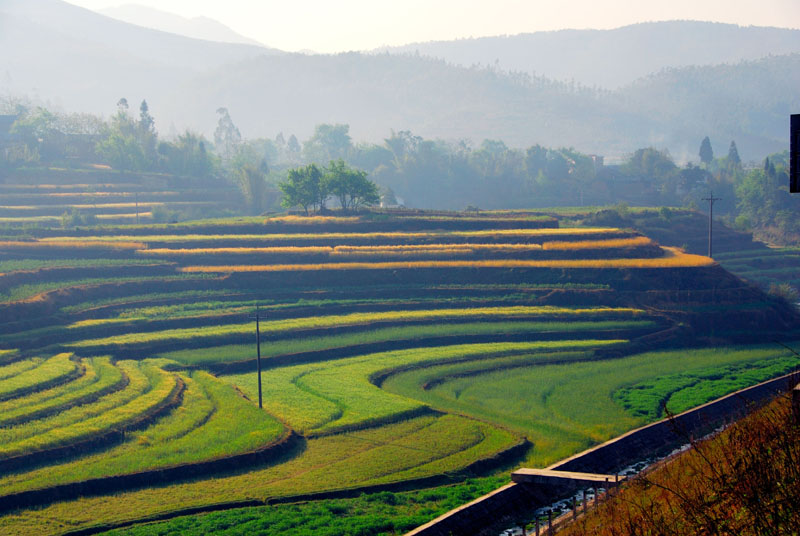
84	61
613	58
195	27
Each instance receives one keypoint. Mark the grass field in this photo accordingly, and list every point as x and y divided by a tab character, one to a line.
547	403
331	321
338	395
233	353
212	421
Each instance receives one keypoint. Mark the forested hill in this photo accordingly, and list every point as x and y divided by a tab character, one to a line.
613	58
749	102
70	58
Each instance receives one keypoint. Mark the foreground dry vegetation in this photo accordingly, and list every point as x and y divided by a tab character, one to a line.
745	480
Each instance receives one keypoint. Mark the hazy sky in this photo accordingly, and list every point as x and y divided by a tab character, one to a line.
340	25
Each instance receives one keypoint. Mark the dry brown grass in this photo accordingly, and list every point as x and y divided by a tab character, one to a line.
744	481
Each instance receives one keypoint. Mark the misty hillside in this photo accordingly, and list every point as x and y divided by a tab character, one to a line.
748	102
195	27
613	58
83	61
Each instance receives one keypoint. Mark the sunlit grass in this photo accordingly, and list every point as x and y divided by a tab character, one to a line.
289	324
335	395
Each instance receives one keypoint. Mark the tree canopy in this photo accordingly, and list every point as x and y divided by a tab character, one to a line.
304	186
350	186
706	152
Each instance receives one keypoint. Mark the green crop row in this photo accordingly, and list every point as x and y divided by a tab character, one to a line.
339	237
144	393
47	372
329	396
17	367
549	403
15	265
376	514
685	390
323	466
100	378
212	421
139	298
270	348
22	292
328	321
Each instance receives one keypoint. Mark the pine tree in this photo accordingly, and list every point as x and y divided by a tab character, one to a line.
706	152
733	155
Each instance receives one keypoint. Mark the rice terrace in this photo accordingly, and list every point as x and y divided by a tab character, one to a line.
393	268
410	359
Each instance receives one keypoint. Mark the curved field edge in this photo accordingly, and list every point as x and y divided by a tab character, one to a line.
311	473
196	439
329	397
547	403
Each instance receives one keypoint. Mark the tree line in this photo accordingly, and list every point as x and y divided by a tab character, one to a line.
329	167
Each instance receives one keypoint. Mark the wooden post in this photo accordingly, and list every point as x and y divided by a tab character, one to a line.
550	522
796	404
574	507
711	199
258	356
585	501
537	525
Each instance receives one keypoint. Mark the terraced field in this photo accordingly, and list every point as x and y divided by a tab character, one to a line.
765	267
40	197
398	352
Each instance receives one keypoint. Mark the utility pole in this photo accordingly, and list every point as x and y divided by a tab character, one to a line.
258	356
710	200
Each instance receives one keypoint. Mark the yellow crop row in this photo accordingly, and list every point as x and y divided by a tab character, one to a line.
130	216
599	244
420	247
345	250
312	219
18	244
291	250
671	259
346	236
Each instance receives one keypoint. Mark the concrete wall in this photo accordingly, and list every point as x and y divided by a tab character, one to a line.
513	500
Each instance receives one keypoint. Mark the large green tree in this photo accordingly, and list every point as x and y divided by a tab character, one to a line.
304	187
350	186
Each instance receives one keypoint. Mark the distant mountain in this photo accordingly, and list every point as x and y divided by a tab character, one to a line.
196	27
85	62
613	58
674	109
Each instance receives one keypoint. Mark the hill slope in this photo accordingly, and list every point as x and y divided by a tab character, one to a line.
84	61
195	27
614	58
